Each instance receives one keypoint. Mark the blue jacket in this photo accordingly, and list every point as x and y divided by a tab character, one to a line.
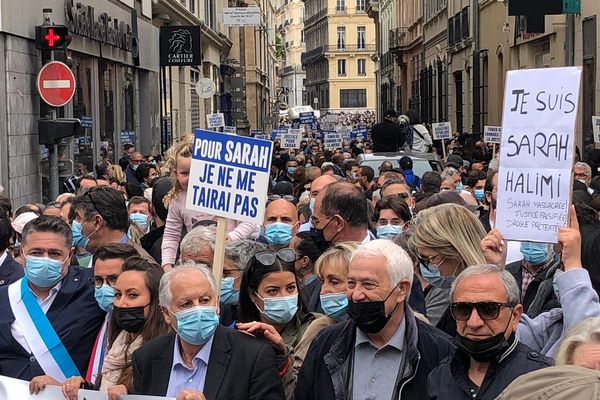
10	271
328	367
75	316
578	301
413	181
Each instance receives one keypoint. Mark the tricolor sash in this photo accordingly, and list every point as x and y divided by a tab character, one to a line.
39	333
97	358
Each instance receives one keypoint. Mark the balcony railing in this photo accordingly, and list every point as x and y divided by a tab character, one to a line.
311	55
349	48
402	37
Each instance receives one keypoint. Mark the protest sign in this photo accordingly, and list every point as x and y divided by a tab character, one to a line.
360	132
333	140
231	129
307	117
596	128
536	153
492	134
215	120
441	130
277	133
229	176
255	132
291	140
11	388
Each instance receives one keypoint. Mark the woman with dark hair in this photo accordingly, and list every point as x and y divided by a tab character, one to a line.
136	318
270	307
307	254
391	216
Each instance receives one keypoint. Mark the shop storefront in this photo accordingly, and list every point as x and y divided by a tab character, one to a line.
114	57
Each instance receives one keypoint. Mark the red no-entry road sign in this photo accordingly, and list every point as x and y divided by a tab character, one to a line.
56	84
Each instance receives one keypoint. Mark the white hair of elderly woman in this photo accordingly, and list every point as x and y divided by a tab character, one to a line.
165	295
197	237
587	331
399	266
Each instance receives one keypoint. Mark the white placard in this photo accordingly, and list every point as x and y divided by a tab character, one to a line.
206	88
333	140
230	129
596	128
536	153
215	120
229	176
11	388
241	16
492	134
292	139
441	130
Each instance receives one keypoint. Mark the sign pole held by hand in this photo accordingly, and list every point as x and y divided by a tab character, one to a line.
444	148
493	150
219	255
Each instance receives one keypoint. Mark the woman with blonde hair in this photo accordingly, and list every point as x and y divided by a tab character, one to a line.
581	345
447	240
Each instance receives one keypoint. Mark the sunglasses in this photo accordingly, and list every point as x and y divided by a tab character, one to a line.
287	197
487	310
99	281
268	258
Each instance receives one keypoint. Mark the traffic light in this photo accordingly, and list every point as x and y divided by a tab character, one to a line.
52	37
52	131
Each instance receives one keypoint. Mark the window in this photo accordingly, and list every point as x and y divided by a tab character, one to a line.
360	5
360	36
361	66
340	6
342	67
192	6
210	13
302	36
465	22
341	38
353	98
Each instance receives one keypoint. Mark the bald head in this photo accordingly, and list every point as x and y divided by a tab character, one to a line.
319	183
281	210
344	199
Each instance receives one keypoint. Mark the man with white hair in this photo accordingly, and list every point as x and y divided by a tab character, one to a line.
201	359
382	351
583	173
198	246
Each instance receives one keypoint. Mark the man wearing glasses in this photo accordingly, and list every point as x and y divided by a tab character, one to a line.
135	161
485	305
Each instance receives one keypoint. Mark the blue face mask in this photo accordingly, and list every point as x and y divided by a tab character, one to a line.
105	296
278	233
388	231
479	194
459	187
334	304
291	170
43	272
79	239
535	253
435	278
280	310
311	205
197	325
229	295
141	220
84	260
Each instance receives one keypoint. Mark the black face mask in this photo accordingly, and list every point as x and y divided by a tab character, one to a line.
130	319
370	316
484	350
319	237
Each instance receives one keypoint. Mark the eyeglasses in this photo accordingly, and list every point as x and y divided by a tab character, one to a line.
487	310
138	162
393	221
54	204
110	280
268	258
580	175
402	195
287	197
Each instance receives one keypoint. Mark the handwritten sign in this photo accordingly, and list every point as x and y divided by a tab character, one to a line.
215	120
333	140
536	152
596	127
292	139
442	130
492	134
229	176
